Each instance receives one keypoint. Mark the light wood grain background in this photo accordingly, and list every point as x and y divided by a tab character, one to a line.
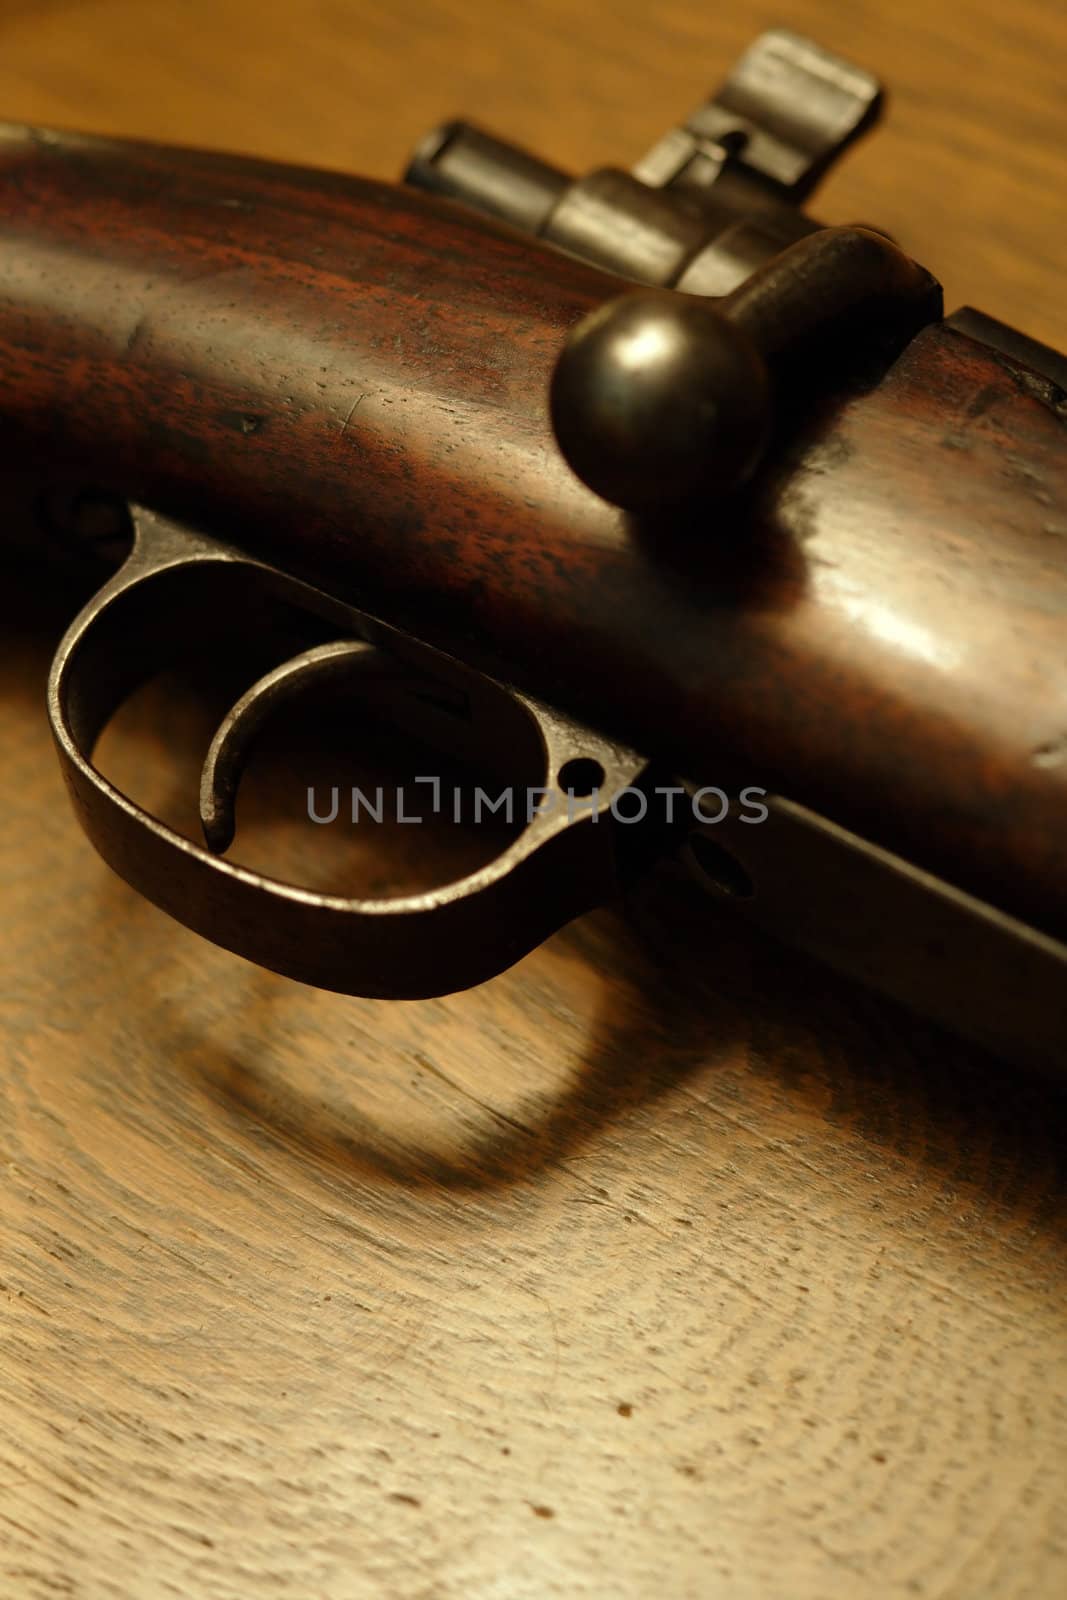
664	1265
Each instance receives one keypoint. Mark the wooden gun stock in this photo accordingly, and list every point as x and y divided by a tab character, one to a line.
352	379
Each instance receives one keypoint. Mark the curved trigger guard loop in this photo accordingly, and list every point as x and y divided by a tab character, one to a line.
563	863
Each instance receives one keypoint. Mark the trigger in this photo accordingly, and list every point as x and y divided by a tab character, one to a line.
326	666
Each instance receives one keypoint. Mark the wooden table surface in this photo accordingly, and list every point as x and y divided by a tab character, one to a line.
665	1264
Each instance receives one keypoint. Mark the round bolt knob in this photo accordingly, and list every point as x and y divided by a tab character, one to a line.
657	400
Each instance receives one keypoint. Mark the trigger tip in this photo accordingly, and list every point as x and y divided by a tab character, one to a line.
218	829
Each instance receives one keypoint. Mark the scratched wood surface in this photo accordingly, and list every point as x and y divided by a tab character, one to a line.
664	1264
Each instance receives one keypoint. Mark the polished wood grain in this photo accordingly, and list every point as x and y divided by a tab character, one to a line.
353	379
664	1264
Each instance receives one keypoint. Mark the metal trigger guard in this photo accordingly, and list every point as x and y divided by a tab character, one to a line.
565	861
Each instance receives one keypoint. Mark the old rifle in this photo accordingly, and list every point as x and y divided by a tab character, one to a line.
644	484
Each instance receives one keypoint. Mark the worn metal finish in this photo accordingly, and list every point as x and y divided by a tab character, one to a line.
785	113
661	400
323	667
567	859
658	400
712	201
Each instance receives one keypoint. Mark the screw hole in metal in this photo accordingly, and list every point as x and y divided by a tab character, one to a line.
581	776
